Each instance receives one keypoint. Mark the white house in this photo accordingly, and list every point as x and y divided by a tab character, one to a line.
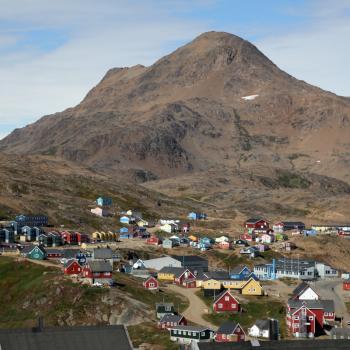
267	238
304	292
261	329
100	211
169	228
222	239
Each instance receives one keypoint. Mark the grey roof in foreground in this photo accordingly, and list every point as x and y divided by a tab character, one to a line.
327	305
263	324
227	327
191	328
102	253
324	344
73	338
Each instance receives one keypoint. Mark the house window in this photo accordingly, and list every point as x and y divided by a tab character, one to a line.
224	336
151	284
203	334
220	306
233	306
227	298
311	318
296	317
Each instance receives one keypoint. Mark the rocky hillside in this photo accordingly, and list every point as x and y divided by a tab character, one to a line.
216	111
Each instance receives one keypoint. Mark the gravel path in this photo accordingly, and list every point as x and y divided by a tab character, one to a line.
196	306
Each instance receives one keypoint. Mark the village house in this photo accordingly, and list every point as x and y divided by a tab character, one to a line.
54	253
257	225
98	271
104	254
169	228
7	236
294	268
346	284
267	329
252	287
72	267
163	309
170	243
103	201
31	221
34	252
124	220
151	283
283	226
154	240
229	332
170	321
239	272
226	302
189	334
306	318
304	292
102	212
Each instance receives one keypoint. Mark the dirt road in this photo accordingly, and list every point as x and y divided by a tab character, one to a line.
196	307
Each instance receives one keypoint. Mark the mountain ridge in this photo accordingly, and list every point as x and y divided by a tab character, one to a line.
185	114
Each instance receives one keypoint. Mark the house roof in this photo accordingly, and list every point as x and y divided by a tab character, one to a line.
262	324
102	253
100	266
165	307
191	328
70	253
228	327
219	275
293	223
301	288
171	318
177	271
326	305
238	269
72	338
311	344
227	291
189	258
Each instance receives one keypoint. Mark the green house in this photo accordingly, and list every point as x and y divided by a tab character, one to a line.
37	253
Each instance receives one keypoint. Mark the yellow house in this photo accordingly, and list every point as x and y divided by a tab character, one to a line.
233	284
252	287
168	273
211	284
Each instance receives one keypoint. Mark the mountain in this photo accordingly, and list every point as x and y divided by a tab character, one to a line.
216	115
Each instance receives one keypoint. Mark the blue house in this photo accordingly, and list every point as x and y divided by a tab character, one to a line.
240	272
126	235
310	233
124	230
196	216
124	220
103	201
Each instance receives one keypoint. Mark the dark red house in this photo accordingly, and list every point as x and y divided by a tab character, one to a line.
189	283
154	240
151	283
170	321
72	267
306	318
229	332
256	224
182	275
346	284
98	271
226	302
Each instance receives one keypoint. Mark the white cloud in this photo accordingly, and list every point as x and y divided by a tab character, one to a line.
101	35
317	52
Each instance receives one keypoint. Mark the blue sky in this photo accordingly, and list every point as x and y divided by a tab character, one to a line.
53	52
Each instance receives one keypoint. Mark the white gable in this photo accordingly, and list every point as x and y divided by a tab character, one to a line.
308	294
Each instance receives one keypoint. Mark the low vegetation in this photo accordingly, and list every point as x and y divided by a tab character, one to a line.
292	180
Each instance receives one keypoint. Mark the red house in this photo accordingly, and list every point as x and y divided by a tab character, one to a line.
306	318
169	321
72	267
82	238
226	302
151	283
346	284
189	283
183	275
98	271
154	240
229	332
256	224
